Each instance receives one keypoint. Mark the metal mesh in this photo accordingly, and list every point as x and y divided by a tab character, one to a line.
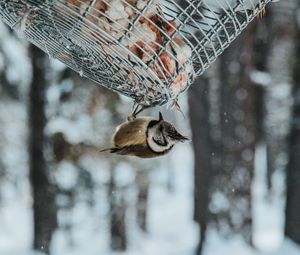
148	50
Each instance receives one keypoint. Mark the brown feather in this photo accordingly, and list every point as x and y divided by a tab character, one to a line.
131	133
138	151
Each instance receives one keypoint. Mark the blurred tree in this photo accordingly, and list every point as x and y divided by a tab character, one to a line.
238	126
90	113
118	210
7	88
44	208
4	91
199	118
292	216
84	108
223	121
281	20
262	46
116	193
143	183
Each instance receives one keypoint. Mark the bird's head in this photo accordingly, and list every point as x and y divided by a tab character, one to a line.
162	135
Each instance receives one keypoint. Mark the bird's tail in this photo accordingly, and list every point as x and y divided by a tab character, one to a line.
111	150
120	151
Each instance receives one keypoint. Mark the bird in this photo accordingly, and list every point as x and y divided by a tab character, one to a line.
145	137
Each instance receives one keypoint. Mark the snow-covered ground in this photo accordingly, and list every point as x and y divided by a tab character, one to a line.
172	232
171	229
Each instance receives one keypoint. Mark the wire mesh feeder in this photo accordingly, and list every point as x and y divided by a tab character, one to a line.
148	50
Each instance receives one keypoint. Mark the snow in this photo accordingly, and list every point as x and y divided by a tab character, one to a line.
268	213
164	212
268	217
13	149
261	78
288	247
18	65
169	212
75	131
124	175
66	175
235	245
15	231
171	230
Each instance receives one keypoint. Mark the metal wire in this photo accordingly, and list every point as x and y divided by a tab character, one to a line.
148	50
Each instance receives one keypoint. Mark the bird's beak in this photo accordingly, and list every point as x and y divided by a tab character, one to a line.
178	137
160	117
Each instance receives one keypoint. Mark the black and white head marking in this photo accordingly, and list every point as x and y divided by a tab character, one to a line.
157	139
162	135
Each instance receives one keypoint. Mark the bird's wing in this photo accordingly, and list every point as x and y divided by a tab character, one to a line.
131	133
134	150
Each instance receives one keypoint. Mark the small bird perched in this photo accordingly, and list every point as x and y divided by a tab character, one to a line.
145	137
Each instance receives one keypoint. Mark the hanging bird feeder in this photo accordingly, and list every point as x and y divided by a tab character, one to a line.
148	50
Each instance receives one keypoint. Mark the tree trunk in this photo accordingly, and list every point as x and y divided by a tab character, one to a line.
238	127
117	215
142	180
282	29
199	118
44	209
292	212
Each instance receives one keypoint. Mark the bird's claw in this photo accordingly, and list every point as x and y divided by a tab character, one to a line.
131	117
137	109
262	13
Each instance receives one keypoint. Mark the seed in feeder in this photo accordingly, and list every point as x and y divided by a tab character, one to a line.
116	10
182	51
179	84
